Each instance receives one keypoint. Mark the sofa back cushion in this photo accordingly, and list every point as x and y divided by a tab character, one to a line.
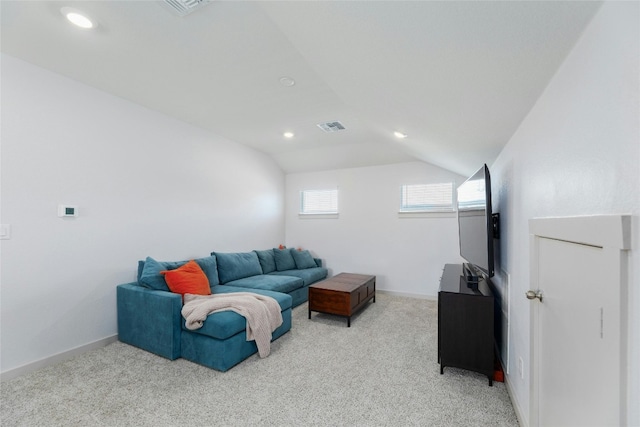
303	259
284	259
234	266
267	261
150	276
149	271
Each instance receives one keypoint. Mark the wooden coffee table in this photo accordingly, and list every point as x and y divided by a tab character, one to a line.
343	294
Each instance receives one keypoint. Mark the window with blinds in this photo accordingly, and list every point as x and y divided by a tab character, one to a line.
318	202
427	197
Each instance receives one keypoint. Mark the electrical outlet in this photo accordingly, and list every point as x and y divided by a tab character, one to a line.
521	367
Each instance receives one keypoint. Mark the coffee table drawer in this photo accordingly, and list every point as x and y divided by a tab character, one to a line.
360	295
368	289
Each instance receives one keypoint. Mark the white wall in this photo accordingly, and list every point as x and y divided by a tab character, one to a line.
406	254
145	185
577	153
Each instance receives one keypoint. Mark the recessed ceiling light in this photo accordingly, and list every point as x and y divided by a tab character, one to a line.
288	134
400	135
287	81
77	17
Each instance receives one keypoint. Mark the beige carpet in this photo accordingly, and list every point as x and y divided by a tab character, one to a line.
381	371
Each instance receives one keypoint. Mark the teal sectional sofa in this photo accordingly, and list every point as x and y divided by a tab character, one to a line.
149	313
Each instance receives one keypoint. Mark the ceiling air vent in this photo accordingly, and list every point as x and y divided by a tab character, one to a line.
331	126
185	7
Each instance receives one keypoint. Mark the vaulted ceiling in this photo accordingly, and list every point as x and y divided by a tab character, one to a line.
456	77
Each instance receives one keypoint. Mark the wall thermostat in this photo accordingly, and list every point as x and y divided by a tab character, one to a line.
65	211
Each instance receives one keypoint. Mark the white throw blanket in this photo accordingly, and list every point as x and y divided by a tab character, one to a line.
262	313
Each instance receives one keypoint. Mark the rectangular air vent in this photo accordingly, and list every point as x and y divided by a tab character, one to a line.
331	126
185	7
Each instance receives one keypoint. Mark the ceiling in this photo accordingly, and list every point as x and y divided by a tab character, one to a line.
456	77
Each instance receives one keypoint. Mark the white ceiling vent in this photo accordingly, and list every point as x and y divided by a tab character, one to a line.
185	7
331	126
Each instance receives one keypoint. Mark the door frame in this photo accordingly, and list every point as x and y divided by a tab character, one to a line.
613	234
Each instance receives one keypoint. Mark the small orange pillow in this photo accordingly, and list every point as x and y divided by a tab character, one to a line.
187	279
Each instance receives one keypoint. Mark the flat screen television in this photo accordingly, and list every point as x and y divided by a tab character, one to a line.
476	225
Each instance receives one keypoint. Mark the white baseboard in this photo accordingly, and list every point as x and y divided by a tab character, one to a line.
408	295
56	358
522	420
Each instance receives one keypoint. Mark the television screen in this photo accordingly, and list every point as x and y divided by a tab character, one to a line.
475	225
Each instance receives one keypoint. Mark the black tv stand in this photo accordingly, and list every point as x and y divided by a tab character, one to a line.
465	323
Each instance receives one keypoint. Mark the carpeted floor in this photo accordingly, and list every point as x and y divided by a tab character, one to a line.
381	371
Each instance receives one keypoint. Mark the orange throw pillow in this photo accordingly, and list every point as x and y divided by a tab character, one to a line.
187	279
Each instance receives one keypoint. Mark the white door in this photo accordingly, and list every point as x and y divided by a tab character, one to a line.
578	355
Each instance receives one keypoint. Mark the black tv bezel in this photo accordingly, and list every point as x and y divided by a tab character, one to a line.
469	268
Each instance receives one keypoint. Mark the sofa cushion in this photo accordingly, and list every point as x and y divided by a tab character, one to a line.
284	259
267	261
284	284
210	267
149	271
234	266
303	259
224	324
150	276
308	275
187	279
283	299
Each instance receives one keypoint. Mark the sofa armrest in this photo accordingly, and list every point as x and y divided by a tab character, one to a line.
149	319
318	262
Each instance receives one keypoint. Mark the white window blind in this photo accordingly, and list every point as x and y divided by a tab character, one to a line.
427	197
318	202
